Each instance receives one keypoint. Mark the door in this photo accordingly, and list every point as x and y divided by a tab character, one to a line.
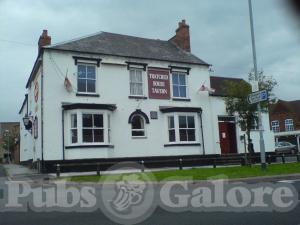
227	133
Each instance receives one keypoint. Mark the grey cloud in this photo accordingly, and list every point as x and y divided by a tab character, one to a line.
220	35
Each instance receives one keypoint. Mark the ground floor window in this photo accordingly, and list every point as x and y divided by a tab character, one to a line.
182	128
138	126
88	127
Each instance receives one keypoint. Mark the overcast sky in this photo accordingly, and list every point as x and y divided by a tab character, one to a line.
220	35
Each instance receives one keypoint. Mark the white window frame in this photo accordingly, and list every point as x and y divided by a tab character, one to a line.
143	129
73	128
93	128
289	125
275	126
142	83
186	84
176	125
77	78
79	112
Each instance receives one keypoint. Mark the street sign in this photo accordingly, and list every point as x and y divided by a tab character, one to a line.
258	96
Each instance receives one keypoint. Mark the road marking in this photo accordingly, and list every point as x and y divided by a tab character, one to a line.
287	181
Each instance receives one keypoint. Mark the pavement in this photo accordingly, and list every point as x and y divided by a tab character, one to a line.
19	172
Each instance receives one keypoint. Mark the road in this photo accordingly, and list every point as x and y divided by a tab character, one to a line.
159	216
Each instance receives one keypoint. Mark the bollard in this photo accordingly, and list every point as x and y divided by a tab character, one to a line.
98	169
298	157
214	164
283	158
142	166
57	170
180	164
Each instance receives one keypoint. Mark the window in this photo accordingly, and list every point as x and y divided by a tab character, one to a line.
255	124
275	126
289	125
92	128
179	83
186	128
181	128
137	126
74	134
171	126
86	80
136	82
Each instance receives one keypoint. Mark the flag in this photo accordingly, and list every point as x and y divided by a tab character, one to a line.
68	84
205	88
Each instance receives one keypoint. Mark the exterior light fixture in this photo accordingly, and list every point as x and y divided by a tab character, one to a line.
27	122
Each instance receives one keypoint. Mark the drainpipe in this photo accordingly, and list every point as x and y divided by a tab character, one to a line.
201	128
63	133
42	114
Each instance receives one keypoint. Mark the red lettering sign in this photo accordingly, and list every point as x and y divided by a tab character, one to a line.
159	84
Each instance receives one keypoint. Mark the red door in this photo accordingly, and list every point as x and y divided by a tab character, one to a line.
227	135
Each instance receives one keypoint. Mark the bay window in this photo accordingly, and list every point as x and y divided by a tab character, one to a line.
182	128
88	127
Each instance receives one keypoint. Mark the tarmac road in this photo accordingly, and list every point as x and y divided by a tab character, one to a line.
159	217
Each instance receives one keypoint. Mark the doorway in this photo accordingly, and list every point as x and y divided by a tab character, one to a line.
227	133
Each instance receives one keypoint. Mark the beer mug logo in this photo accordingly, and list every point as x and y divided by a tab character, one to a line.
129	199
129	192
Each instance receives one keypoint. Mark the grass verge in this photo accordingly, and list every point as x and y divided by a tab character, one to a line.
203	173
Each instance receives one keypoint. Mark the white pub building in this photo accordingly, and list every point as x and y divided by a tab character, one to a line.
117	97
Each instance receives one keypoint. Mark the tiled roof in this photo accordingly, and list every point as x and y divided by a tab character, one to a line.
129	46
218	83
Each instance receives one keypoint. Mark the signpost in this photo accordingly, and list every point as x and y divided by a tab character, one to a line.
261	137
258	96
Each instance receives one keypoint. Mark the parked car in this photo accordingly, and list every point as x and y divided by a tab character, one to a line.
285	147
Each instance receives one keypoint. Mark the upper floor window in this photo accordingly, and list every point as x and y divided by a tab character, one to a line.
86	79
138	126
179	85
289	125
275	126
136	82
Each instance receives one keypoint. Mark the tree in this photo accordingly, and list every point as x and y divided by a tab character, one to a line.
9	141
237	100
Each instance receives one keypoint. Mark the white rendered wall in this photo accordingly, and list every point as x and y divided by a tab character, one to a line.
113	87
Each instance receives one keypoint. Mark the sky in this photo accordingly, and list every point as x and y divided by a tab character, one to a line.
219	29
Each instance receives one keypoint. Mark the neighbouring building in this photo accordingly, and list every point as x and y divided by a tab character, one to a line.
10	131
113	96
285	121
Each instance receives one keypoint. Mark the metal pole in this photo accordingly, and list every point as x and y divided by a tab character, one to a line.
261	137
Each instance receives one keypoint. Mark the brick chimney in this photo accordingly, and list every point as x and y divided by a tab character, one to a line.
182	37
44	39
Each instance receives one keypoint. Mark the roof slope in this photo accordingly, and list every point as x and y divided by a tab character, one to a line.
129	46
218	83
285	106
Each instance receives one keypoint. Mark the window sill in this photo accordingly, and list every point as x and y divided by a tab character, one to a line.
87	95
137	97
138	137
181	144
182	99
89	146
